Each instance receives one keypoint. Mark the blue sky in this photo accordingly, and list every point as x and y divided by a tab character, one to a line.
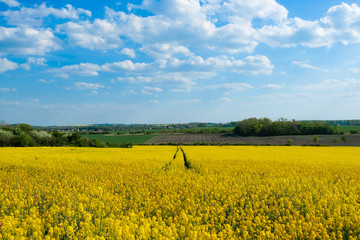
85	62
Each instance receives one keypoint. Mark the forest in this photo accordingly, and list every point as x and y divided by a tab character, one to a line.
266	127
24	135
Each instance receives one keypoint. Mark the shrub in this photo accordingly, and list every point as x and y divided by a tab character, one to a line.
22	140
42	138
5	138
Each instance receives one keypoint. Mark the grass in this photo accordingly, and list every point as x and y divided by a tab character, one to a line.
348	128
134	139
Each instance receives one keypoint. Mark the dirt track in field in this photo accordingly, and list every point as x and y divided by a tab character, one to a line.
224	139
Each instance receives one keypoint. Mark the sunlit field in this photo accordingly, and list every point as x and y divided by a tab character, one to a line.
193	192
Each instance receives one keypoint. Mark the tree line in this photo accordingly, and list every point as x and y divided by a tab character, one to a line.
266	127
23	135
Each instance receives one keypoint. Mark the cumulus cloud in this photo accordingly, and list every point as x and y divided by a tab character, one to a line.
31	61
280	97
136	79
85	85
91	69
99	34
273	86
7	89
124	65
225	99
27	41
330	84
151	90
84	69
6	65
34	16
45	81
11	3
254	65
305	65
129	52
186	101
341	24
354	70
230	86
232	26
165	50
174	28
220	26
185	81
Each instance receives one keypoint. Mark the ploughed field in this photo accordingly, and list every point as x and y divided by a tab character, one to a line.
168	192
230	139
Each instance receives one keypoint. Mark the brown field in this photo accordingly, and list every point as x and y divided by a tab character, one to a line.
223	139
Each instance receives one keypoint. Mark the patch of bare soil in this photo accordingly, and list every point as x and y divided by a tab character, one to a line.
230	139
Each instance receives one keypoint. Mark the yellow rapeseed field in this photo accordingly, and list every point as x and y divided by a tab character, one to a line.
148	192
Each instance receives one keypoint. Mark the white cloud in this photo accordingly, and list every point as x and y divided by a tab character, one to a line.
7	89
256	65
273	86
253	65
341	24
124	65
91	69
46	81
6	65
151	90
233	26
135	79
178	28
154	101
34	16
230	86
281	97
188	101
165	50
220	26
100	34
85	85
179	90
225	99
332	84
249	9
185	80
129	52
84	69
31	61
305	65
11	3
354	70
27	41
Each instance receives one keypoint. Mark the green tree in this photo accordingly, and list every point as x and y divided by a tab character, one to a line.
22	140
24	127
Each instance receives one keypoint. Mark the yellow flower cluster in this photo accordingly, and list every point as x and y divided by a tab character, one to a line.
147	192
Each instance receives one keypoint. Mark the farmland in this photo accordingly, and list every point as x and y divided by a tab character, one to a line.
119	139
225	139
146	192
